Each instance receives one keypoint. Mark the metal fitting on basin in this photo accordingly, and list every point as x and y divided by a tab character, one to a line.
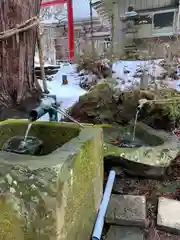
49	105
141	103
45	106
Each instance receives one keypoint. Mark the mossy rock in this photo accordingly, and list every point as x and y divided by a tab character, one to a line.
54	195
96	106
150	160
105	103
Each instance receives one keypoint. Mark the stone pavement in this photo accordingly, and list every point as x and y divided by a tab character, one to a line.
127	216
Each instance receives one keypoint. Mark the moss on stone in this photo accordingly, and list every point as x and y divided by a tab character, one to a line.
84	189
57	195
10	224
106	103
161	150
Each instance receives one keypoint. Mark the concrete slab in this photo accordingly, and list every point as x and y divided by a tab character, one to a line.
125	233
168	217
127	210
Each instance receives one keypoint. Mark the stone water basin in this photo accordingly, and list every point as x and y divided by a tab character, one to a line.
158	149
54	196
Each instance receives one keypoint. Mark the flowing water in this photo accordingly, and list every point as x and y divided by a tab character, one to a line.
134	129
23	143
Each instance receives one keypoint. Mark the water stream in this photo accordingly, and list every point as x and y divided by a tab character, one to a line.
135	123
23	143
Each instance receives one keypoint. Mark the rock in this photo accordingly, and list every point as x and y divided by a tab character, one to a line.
168	217
107	103
124	233
98	105
150	160
41	196
126	210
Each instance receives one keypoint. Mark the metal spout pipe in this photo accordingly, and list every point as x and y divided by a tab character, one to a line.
68	116
49	105
44	107
141	103
36	113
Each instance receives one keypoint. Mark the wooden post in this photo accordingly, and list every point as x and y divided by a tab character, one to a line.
41	61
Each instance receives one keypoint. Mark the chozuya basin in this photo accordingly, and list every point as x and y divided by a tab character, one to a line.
151	159
55	195
20	145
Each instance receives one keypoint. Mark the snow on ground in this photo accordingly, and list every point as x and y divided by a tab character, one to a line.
119	66
68	94
152	67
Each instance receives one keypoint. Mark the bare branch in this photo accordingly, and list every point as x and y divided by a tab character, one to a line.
53	13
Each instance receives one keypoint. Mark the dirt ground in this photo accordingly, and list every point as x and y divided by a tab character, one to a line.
152	189
20	111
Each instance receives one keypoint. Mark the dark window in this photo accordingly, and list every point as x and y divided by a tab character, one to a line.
107	39
163	20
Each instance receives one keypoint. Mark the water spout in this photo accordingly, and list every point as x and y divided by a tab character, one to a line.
49	105
141	103
43	108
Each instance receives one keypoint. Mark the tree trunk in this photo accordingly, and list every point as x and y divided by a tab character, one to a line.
17	79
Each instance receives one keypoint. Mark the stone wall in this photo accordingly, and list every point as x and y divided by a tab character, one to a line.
54	196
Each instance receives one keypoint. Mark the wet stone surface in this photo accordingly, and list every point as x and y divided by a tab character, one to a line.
124	233
127	210
168	217
32	145
149	157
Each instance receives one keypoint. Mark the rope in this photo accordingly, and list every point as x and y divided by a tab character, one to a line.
34	21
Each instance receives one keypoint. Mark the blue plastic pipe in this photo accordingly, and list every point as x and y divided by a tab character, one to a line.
97	233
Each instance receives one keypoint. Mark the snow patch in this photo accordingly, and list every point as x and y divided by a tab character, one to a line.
68	94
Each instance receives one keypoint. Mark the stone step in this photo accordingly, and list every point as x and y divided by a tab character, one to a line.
127	210
168	218
124	233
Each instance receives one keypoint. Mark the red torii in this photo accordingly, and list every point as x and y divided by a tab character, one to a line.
70	23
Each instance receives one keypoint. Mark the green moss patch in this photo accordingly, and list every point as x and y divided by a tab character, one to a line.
59	193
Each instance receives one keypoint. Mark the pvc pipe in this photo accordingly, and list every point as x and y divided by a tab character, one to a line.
103	207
